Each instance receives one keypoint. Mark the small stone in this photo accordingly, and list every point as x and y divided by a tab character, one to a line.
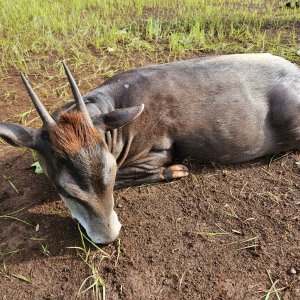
292	271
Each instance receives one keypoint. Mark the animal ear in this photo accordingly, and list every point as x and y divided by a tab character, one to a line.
118	117
18	136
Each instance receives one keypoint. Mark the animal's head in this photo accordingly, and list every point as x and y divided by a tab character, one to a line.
75	156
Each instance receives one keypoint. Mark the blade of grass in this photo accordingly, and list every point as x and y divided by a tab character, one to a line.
21	277
212	234
273	284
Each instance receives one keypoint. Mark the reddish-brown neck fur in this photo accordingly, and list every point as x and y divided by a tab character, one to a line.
72	133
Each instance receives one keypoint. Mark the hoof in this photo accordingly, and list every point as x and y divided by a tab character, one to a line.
174	172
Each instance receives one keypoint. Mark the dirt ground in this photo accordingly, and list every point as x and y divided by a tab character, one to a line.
225	232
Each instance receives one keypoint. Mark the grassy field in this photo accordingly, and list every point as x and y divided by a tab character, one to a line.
48	31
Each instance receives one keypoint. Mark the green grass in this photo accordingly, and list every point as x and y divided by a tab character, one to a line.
93	260
22	278
273	292
12	216
93	31
45	250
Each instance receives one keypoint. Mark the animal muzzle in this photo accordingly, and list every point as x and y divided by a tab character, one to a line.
104	232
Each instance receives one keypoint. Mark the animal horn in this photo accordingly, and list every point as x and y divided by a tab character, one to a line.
42	111
77	96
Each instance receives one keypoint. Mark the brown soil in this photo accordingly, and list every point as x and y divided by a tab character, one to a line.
166	252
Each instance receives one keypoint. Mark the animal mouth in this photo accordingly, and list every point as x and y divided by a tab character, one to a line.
106	236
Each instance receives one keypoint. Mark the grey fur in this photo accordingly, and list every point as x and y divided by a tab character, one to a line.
227	109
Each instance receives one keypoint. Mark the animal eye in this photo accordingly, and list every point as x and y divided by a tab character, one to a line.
69	196
73	198
65	194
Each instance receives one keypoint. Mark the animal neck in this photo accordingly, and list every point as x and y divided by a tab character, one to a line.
118	143
118	140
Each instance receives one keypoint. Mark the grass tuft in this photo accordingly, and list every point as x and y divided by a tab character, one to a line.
12	216
93	260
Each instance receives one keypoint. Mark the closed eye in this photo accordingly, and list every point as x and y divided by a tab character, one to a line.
72	190
67	195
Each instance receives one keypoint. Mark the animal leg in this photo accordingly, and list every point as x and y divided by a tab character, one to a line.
165	174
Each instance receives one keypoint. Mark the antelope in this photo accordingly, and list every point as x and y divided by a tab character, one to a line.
129	130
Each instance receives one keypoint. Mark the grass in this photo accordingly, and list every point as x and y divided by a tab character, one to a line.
23	116
84	31
251	244
22	278
8	179
273	291
45	250
12	216
93	260
4	272
179	278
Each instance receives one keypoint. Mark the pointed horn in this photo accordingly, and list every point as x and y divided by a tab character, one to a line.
77	96
42	111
